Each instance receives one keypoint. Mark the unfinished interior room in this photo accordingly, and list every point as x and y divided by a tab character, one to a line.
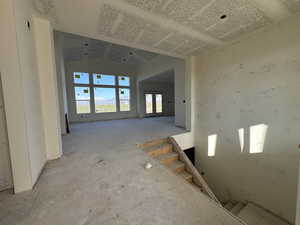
149	112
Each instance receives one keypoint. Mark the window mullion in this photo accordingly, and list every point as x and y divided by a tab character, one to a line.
117	93
92	94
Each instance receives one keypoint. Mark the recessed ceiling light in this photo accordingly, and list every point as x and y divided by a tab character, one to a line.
224	16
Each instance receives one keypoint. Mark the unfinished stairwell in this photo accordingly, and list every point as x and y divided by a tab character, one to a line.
168	153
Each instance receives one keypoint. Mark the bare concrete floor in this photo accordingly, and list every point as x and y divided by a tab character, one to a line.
100	180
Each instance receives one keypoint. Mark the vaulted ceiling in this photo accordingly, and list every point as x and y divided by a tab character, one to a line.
76	48
173	27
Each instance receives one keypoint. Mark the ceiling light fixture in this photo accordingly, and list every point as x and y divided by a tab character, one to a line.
224	16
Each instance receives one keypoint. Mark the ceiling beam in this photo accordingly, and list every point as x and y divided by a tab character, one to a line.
162	21
275	10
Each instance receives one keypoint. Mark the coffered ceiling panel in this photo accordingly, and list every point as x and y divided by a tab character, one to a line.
238	21
108	16
293	5
152	34
172	27
148	5
129	28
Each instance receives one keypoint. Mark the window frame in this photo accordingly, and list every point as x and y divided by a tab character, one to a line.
91	86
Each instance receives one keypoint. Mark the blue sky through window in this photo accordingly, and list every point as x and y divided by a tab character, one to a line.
82	93
81	78
101	79
124	81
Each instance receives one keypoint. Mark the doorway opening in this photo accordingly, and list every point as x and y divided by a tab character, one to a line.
154	104
157	95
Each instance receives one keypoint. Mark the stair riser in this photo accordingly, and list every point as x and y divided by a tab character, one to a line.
160	151
168	161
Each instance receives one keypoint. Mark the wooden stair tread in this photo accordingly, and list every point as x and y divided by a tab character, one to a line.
166	156
165	148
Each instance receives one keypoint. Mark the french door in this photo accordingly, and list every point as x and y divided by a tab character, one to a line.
153	104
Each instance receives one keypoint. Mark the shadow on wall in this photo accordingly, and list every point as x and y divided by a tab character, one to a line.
258	134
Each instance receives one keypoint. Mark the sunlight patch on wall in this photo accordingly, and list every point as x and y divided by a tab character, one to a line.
257	138
242	138
212	144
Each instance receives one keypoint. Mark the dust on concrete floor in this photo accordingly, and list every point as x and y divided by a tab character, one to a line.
101	180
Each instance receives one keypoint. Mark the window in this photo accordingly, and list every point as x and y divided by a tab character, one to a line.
102	92
257	138
212	144
81	78
158	101
124	81
105	100
82	98
149	104
124	99
100	79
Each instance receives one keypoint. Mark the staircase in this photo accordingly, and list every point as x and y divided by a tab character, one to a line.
163	151
168	153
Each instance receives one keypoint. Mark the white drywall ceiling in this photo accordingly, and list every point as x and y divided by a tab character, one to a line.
173	27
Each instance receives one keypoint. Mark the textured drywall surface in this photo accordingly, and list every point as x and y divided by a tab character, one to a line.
166	89
255	81
61	81
101	180
31	91
44	46
5	164
102	67
160	65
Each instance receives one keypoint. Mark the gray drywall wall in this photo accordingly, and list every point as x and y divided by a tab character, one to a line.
253	81
166	89
160	65
61	80
103	67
